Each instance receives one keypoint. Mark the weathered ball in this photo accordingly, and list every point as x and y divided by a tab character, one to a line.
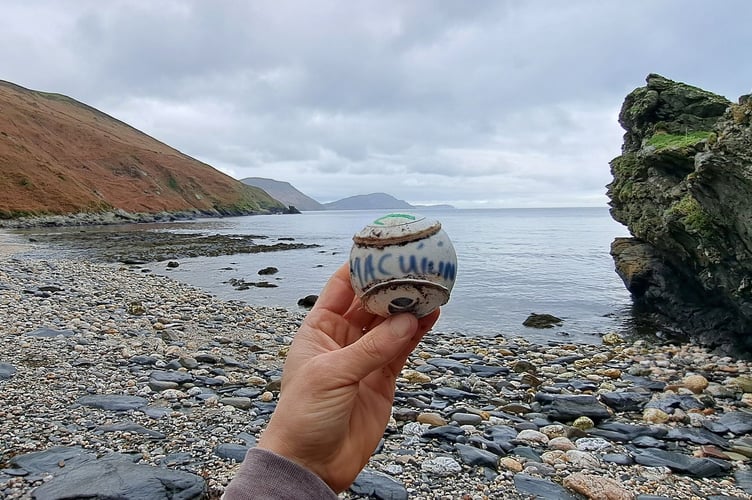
402	262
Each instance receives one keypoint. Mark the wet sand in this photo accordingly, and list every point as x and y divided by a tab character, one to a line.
11	244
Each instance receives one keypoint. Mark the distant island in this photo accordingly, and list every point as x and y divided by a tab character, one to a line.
287	194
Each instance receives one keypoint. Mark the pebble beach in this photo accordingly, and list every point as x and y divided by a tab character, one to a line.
108	371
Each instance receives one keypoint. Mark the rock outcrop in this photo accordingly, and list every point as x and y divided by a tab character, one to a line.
683	187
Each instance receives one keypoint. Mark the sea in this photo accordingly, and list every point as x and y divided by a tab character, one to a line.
511	263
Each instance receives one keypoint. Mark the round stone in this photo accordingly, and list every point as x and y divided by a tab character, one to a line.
695	383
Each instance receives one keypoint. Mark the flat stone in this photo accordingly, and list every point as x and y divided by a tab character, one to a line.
188	362
175	376
7	371
476	457
431	419
230	361
540	489
715	426
246	392
450	393
237	402
444	432
485	371
50	460
114	402
743	479
567	360
464	355
466	418
648	442
46	333
487	444
231	451
645	383
592	444
594	486
669	402
618	431
415	377
625	401
14	472
502	435
143	359
161	385
518	408
697	436
210	381
441	466
205	357
569	407
373	484
264	408
156	412
451	365
738	422
617	458
132	428
698	467
116	476
583	385
175	459
526	452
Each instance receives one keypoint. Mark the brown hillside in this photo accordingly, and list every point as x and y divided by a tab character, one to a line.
60	156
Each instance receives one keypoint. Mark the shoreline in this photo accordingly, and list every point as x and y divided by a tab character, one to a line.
104	362
11	245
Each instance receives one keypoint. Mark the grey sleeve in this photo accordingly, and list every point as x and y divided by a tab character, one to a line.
264	475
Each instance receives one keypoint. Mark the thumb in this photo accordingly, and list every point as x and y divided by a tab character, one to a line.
378	347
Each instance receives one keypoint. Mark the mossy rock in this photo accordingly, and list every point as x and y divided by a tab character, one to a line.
542	321
693	216
662	140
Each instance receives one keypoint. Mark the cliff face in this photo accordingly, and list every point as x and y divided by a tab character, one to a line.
60	156
683	187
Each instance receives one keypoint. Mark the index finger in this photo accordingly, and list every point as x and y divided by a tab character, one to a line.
337	294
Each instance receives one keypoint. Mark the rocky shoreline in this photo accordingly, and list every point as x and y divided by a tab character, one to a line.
108	372
138	243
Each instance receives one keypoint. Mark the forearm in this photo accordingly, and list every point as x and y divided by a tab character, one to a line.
264	475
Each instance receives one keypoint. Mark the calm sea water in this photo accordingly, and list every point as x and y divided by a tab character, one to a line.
511	262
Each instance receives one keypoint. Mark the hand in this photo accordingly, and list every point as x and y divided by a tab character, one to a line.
338	383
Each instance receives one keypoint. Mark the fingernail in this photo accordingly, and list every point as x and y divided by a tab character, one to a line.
402	325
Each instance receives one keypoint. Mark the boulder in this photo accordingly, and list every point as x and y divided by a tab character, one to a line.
116	476
374	484
541	321
308	301
7	370
683	187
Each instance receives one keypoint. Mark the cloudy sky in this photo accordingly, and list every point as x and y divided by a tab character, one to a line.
470	102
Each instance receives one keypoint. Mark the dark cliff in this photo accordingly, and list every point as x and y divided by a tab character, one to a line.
683	187
60	156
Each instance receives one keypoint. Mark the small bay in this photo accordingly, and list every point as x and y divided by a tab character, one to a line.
511	262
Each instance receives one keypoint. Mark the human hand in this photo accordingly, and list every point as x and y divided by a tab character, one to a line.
338	383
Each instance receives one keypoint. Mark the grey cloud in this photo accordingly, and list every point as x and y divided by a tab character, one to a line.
508	102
